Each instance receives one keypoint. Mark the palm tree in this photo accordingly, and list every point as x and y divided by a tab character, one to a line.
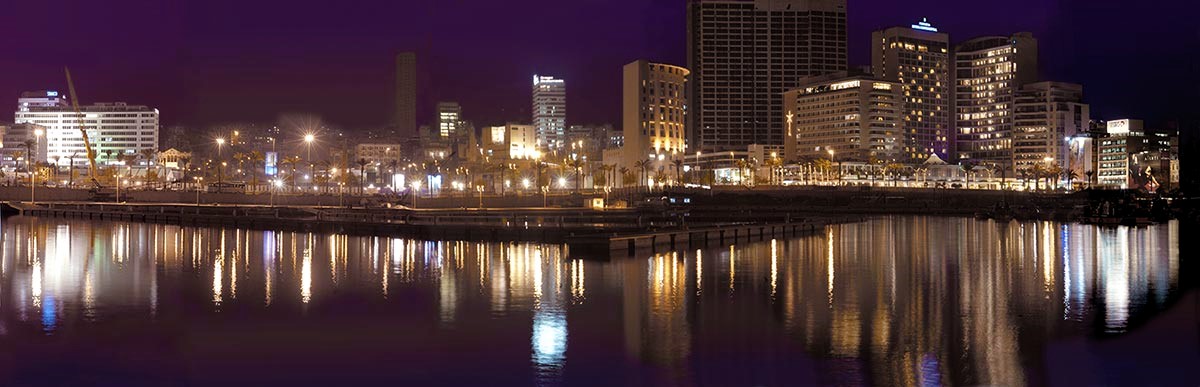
293	161
577	168
1052	173
1070	175
539	170
1090	174
824	165
643	166
362	175
503	169
894	170
29	155
624	173
967	167
256	159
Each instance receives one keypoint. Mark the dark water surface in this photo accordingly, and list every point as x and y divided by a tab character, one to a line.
890	301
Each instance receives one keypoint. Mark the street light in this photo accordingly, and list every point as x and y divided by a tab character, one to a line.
29	162
308	140
416	191
833	159
220	144
198	180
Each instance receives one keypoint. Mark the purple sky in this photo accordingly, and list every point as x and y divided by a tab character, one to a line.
214	61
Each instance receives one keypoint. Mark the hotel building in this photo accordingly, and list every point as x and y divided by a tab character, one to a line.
918	58
1046	115
744	54
654	109
988	72
856	117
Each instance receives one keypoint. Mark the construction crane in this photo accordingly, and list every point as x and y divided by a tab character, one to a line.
98	192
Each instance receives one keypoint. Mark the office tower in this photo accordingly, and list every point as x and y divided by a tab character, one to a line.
405	114
654	109
744	54
449	120
1046	115
114	130
856	117
1131	157
988	72
550	111
918	57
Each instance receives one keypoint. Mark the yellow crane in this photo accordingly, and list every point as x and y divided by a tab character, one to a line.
87	145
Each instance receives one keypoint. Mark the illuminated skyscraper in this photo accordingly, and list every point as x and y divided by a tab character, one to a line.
654	108
1047	113
744	54
550	111
988	72
918	57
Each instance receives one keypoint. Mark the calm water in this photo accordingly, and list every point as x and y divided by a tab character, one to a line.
891	301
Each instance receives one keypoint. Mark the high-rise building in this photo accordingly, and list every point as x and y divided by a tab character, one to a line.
449	120
744	54
918	57
114	129
857	118
988	72
655	110
550	111
405	115
1046	114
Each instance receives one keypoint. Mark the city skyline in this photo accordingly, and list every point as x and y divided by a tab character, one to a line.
200	78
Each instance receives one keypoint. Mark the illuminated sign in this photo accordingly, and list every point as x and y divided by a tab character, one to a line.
271	159
51	93
924	25
1118	126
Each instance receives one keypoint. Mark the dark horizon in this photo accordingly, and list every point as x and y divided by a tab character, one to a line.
209	63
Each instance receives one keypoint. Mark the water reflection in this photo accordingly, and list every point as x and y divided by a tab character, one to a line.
903	301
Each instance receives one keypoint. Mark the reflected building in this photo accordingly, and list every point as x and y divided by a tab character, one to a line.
894	300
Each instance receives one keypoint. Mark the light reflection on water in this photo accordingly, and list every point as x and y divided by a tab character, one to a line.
903	300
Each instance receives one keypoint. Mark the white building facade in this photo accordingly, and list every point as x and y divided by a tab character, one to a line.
114	129
550	111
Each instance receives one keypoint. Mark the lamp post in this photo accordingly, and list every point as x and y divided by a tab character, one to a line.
416	192
220	144
308	141
37	133
545	190
198	180
479	188
833	160
1049	163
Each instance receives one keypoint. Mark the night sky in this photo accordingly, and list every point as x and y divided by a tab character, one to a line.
205	62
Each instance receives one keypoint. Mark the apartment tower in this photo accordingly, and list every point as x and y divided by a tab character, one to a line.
744	54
